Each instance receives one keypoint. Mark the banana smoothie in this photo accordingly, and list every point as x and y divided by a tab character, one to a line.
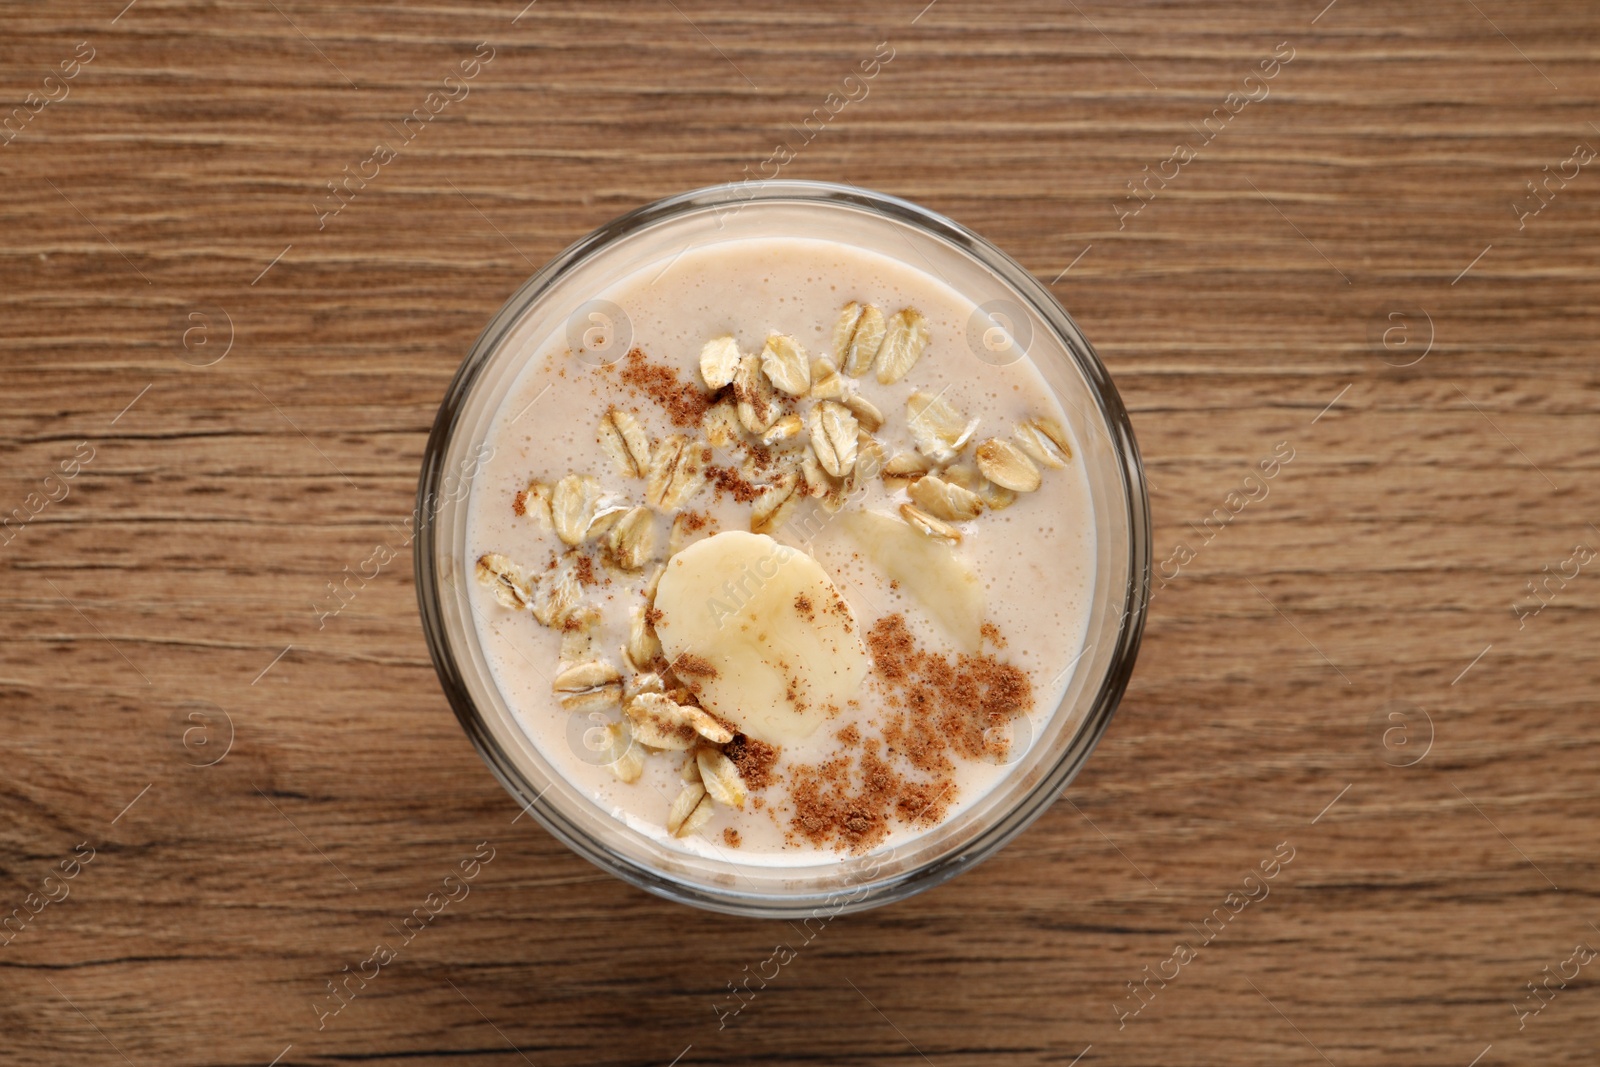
799	574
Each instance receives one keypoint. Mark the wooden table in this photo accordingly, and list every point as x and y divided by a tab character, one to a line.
216	393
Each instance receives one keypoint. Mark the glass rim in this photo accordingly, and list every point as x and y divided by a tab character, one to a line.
1099	711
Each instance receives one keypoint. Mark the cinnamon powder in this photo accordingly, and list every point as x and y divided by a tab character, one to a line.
683	402
754	760
937	706
691	665
959	703
727	480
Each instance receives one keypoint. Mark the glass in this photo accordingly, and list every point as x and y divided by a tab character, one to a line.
1018	311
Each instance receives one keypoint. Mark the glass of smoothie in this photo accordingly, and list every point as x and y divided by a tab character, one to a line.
783	548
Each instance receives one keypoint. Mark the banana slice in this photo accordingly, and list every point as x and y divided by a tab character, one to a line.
760	632
931	571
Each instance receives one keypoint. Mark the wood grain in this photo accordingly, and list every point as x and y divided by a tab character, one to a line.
1244	306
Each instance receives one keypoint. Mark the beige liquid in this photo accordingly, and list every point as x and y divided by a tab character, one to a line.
1035	559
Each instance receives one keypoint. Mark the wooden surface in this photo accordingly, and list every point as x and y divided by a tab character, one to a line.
171	598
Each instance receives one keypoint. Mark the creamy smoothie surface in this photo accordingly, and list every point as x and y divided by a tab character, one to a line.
798	575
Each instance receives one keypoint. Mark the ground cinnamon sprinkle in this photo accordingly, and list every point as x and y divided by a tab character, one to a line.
937	706
585	571
730	837
753	758
842	610
727	480
684	402
923	804
694	666
834	806
961	703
